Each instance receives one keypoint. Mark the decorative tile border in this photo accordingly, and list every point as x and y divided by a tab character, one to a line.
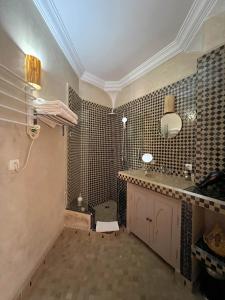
186	240
194	199
208	259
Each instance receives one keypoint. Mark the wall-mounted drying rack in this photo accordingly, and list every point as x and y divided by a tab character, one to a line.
26	90
54	118
29	107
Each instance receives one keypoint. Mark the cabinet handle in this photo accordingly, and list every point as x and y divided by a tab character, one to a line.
149	220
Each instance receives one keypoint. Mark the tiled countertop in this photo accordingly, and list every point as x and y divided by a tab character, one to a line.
172	186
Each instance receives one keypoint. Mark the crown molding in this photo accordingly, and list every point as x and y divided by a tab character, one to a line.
111	86
92	79
160	57
55	24
197	14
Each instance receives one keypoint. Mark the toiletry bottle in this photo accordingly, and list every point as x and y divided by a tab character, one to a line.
79	200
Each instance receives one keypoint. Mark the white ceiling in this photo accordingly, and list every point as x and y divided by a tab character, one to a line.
112	37
110	43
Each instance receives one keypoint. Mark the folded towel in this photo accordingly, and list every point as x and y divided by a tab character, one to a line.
107	226
57	112
55	108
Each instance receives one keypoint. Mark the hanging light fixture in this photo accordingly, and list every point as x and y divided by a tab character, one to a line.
33	71
169	104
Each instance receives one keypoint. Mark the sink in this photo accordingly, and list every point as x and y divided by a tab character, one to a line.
159	178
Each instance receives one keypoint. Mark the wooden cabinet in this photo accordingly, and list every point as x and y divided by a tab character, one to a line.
141	214
155	219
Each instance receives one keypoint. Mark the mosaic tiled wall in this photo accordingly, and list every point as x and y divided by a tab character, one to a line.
144	115
186	240
92	153
210	153
74	150
98	154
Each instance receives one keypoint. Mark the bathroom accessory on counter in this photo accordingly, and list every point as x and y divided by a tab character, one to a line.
213	178
213	185
188	171
147	159
79	200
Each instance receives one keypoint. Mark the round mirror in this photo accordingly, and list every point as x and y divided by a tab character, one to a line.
147	158
170	125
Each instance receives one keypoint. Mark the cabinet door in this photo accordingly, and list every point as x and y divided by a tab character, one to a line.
140	213
163	221
139	226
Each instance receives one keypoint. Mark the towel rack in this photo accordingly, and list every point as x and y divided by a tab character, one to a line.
27	90
57	119
30	112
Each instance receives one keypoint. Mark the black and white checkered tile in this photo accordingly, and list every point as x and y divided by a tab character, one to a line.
92	153
144	115
195	199
94	147
210	149
209	260
74	150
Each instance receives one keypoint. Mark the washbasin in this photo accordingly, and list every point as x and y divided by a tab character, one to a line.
159	178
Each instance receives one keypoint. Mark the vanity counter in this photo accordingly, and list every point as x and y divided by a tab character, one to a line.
172	186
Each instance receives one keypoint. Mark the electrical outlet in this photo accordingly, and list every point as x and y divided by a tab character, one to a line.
14	165
188	167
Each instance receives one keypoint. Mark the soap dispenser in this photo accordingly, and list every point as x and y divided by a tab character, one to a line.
79	200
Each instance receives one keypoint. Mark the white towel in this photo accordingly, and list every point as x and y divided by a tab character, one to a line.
57	112
107	226
56	108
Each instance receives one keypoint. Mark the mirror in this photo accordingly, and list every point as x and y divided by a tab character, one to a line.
147	158
170	125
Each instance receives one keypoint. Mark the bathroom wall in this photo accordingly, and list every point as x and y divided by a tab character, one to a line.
92	154
210	147
94	94
210	36
142	133
31	203
74	150
96	151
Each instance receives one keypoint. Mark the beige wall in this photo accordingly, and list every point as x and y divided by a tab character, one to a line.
91	93
211	35
180	66
31	203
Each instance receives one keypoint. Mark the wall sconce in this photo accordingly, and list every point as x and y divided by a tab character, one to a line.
169	104
33	71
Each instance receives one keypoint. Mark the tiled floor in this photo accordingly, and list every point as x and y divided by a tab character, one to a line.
83	267
106	212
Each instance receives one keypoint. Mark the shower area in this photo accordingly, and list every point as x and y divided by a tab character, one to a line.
94	159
